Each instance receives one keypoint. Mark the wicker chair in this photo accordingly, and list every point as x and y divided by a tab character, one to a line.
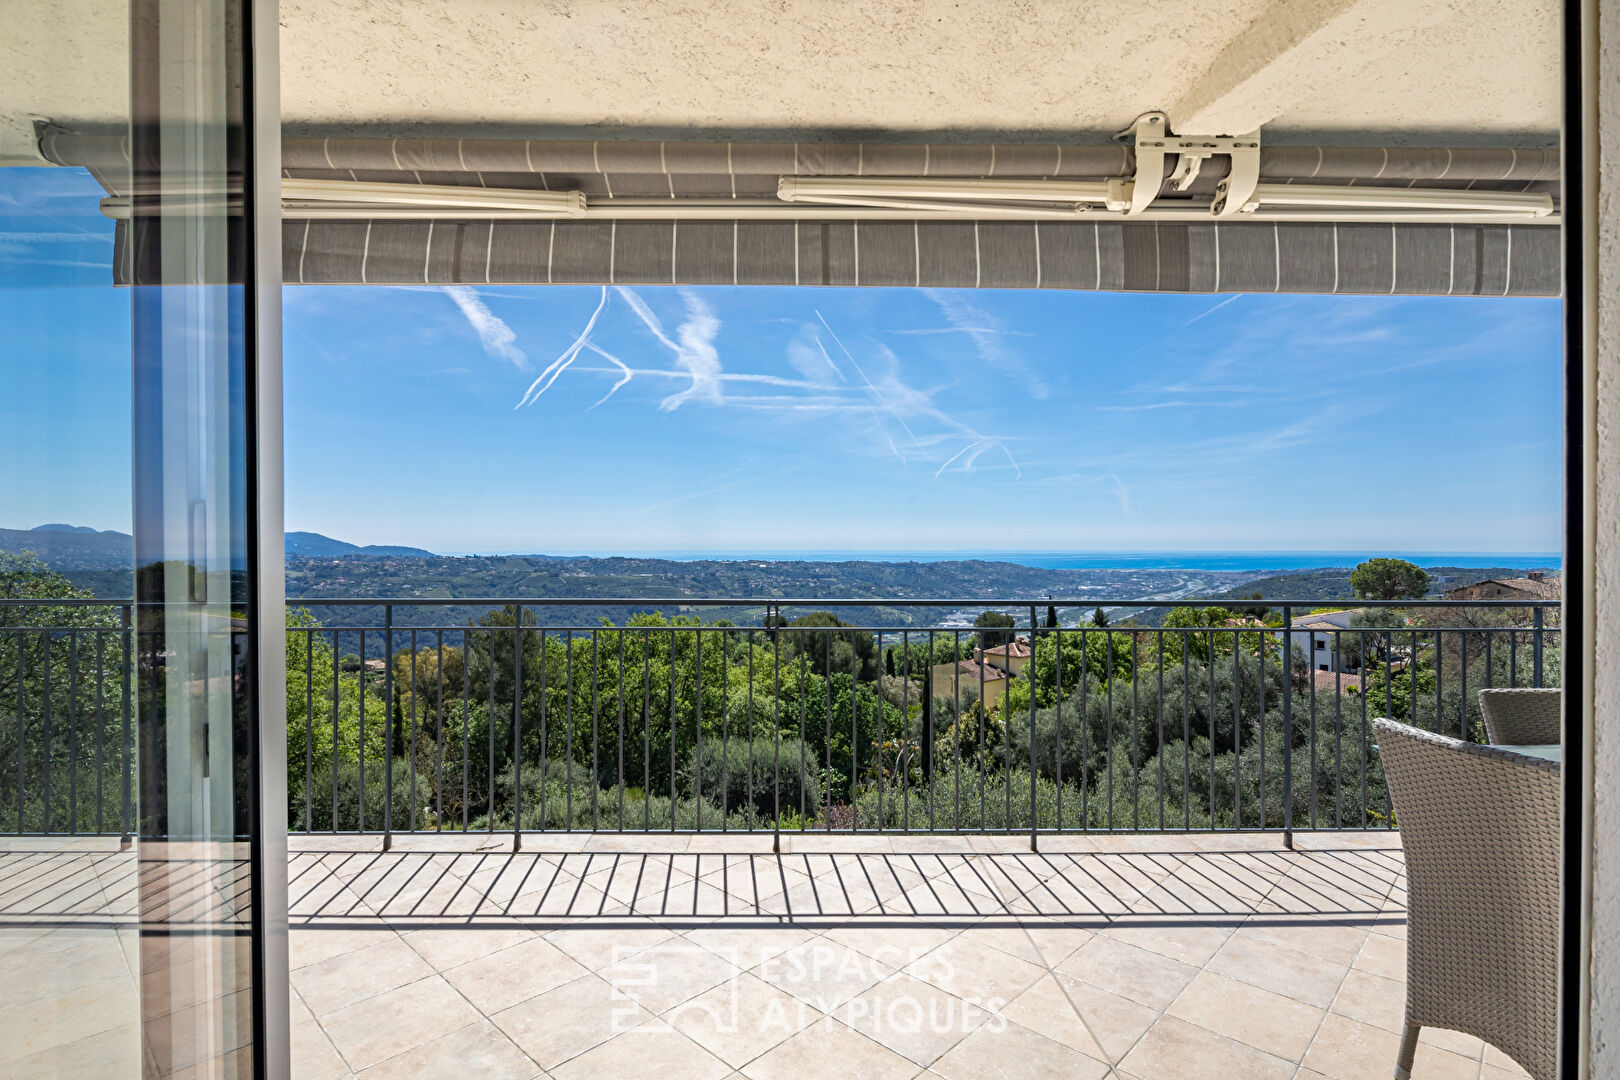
1480	830
1522	717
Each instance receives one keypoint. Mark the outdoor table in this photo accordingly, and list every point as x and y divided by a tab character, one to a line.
1547	751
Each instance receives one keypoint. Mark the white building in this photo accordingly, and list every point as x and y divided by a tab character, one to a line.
1317	638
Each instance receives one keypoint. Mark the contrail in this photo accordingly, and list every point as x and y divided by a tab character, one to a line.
559	365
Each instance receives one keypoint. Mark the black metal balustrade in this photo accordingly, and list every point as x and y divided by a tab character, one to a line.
519	719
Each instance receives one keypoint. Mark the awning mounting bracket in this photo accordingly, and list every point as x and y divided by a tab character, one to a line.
1150	135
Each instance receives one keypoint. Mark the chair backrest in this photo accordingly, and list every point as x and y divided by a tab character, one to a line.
1522	716
1480	830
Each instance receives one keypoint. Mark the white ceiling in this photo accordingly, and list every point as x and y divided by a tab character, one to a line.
1409	72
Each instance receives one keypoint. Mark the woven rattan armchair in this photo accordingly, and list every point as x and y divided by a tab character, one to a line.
1522	717
1480	830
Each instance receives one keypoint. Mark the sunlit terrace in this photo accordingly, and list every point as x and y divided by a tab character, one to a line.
535	847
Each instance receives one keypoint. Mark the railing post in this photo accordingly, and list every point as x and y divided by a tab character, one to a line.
127	682
388	727
1536	637
1029	667
517	726
1288	724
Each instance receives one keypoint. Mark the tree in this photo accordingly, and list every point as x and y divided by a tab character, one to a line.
1051	617
1099	617
1253	611
991	638
1389	579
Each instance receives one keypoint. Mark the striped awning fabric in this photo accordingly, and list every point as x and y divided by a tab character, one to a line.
1462	259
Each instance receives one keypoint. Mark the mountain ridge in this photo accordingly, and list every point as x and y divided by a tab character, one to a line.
79	547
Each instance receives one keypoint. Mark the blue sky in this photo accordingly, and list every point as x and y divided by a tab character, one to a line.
564	419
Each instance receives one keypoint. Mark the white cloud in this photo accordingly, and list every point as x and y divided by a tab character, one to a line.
697	354
986	333
493	333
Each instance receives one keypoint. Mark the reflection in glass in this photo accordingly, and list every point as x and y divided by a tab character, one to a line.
126	663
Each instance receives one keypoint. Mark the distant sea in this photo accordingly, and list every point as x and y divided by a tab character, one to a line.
1246	561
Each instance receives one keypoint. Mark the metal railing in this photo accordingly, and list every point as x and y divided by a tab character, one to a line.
67	748
514	718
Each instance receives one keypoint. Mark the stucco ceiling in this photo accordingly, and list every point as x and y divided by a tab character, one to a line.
1409	72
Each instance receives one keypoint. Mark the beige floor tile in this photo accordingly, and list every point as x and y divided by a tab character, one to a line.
307	946
830	1046
297	1011
1325	938
911	1017
1190	944
838	842
823	973
60	961
385	1025
561	1023
653	1049
976	972
1281	970
478	1050
655	878
313	1055
1372	999
747	946
68	1017
1114	1021
1347	1049
566	898
502	979
1048	1009
1122	969
741	1019
1383	956
596	946
1043	941
1495	1059
445	947
1468	1046
1173	1048
343	980
115	1052
753	881
895	946
1007	1051
664	976
517	875
1432	1063
1267	1021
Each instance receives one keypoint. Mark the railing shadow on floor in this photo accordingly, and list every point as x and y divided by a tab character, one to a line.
351	890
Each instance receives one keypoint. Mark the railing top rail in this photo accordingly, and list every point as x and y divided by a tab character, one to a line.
757	601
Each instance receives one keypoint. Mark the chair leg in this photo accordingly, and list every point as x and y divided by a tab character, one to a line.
1403	1063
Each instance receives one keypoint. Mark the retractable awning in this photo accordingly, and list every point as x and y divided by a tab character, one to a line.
720	213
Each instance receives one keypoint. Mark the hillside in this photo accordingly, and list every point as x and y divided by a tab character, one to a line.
314	544
672	581
80	548
73	547
1333	582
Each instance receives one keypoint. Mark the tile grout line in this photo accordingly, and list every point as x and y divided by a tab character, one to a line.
1111	1065
1299	1065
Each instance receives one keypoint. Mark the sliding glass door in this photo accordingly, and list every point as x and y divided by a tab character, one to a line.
138	902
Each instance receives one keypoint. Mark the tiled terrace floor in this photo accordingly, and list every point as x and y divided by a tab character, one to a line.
1155	958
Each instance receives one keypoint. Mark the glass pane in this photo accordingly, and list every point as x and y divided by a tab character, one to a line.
127	912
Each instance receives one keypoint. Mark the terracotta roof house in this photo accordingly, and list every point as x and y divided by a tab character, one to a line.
971	678
1010	657
1534	586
